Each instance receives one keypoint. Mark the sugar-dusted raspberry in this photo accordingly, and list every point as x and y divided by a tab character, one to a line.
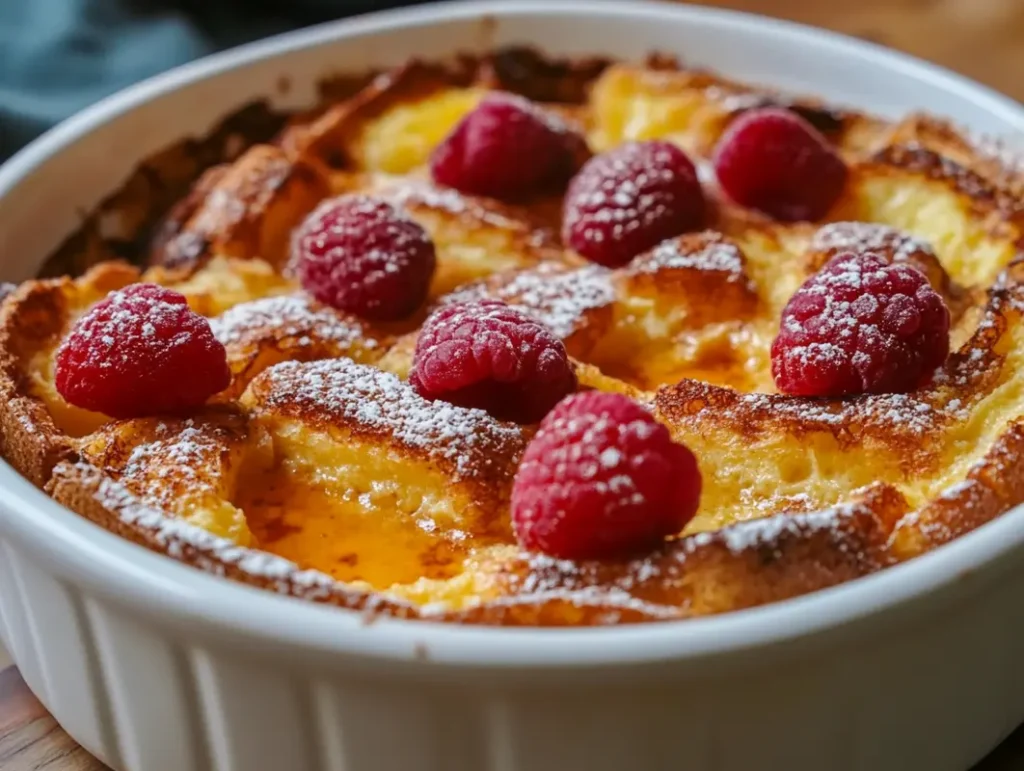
140	351
774	161
631	198
602	478
860	325
362	255
489	355
506	148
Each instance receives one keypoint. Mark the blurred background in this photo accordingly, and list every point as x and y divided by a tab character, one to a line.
58	56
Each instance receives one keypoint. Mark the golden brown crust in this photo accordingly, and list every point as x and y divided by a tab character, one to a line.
688	270
741	566
993	486
26	441
987	197
830	490
894	245
165	460
246	210
978	158
169	245
329	138
29	440
290	327
92	494
32	319
122	225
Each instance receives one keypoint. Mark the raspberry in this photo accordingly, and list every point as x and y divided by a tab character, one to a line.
860	325
361	255
602	478
140	351
628	200
486	354
774	161
506	148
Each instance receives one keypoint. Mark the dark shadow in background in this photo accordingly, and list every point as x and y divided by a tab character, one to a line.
59	56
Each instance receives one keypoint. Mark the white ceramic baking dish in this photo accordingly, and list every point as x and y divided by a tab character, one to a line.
154	666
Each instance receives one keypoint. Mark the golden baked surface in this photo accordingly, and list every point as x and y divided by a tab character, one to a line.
321	473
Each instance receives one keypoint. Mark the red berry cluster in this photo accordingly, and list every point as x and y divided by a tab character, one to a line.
602	476
629	199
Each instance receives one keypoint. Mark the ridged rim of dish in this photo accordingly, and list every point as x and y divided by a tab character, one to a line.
155	585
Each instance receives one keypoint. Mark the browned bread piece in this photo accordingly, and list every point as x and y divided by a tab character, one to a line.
247	209
290	327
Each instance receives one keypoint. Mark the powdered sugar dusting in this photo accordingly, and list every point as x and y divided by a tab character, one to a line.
624	584
829	307
365	399
705	252
610	598
911	414
414	194
1008	156
295	316
862	237
758	533
177	455
557	297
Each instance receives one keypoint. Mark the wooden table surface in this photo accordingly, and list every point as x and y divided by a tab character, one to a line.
983	39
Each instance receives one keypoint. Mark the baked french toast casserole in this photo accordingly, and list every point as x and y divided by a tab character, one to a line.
522	341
